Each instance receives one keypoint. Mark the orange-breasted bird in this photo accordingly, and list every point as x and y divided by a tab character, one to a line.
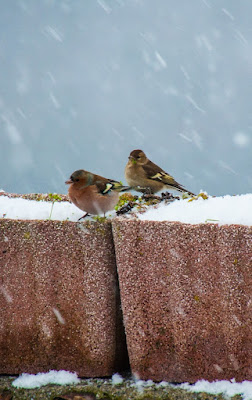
92	193
146	177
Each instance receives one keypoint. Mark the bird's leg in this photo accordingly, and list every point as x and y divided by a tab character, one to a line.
169	196
148	194
147	190
84	216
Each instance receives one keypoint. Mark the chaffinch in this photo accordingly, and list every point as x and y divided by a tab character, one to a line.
93	193
146	177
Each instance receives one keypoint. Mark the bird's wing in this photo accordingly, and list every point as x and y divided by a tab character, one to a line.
106	186
154	172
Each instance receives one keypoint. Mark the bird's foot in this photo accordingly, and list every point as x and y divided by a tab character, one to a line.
148	194
147	190
168	196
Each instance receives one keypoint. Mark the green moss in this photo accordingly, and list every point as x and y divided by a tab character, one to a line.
117	229
151	202
103	389
54	197
200	195
98	218
124	199
27	235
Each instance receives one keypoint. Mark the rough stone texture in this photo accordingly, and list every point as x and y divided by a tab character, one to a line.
186	299
59	298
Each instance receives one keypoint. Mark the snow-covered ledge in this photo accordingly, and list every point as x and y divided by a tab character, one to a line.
185	289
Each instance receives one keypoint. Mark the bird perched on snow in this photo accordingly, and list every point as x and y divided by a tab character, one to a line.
93	193
146	177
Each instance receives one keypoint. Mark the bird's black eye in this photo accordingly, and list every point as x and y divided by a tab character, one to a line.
76	180
138	157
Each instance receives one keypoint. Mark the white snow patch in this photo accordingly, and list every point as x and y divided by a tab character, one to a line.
17	208
30	381
117	379
140	384
225	387
222	210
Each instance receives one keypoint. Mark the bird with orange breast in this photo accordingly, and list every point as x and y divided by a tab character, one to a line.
146	177
92	193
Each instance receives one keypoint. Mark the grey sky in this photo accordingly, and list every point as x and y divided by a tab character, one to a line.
82	83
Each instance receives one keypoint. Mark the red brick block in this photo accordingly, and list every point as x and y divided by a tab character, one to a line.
187	298
59	298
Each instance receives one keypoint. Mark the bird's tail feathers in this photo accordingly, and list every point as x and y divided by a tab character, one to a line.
183	190
179	188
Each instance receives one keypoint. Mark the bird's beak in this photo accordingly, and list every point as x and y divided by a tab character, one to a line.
132	159
68	182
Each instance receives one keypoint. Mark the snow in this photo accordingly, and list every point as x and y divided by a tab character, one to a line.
225	387
117	379
30	381
240	139
221	210
140	384
17	208
229	388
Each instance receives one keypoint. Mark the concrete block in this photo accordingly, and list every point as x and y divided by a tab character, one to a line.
59	298
186	293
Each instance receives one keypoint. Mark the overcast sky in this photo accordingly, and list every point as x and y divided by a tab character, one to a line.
82	83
